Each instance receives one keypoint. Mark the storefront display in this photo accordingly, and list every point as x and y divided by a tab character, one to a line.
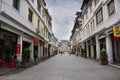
8	42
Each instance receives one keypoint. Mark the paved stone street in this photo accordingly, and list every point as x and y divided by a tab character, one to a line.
66	67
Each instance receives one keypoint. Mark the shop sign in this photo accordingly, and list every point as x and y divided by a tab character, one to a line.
116	32
18	49
36	41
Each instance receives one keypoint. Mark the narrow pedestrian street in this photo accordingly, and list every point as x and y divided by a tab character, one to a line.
66	67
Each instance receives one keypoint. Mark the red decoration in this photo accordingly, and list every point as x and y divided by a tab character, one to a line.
3	63
36	40
18	49
116	32
12	65
116	38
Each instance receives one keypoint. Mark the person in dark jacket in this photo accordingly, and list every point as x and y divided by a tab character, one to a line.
35	57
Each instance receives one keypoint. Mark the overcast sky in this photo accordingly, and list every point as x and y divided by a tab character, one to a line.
63	14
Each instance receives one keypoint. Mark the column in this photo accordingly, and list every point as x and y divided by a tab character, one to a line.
39	56
87	49
109	49
32	51
97	48
19	43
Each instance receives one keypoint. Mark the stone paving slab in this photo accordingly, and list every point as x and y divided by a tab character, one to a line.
67	67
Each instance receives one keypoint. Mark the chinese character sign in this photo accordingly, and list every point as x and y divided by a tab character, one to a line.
18	49
116	32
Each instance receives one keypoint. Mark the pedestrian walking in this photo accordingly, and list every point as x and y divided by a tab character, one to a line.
35	57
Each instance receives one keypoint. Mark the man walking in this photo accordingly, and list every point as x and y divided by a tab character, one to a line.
35	57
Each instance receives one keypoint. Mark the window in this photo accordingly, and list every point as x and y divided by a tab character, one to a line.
83	21
88	29
91	9
93	24
42	13
16	4
30	15
38	27
38	6
111	7
38	23
96	1
99	16
86	15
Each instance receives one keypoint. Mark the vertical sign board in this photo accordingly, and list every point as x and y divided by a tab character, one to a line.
18	49
116	32
36	41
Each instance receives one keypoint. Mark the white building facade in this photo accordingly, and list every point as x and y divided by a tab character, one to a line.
99	17
64	46
23	24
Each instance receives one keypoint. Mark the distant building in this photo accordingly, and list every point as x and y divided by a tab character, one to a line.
64	46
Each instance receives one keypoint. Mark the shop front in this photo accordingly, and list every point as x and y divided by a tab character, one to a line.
45	49
116	54
27	48
102	41
8	42
115	36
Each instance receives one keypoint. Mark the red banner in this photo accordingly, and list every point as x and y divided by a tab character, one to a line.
36	40
116	32
18	49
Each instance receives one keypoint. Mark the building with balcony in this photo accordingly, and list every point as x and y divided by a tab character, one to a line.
24	24
76	34
99	18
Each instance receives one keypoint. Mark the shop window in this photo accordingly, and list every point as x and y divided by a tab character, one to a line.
16	4
30	15
99	16
111	8
7	45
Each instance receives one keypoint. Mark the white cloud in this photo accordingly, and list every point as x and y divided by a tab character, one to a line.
63	14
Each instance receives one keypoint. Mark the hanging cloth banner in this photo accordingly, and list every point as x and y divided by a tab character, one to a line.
116	32
36	41
18	49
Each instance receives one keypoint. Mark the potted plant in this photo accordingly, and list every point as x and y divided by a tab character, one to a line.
83	53
103	57
25	58
24	63
12	62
